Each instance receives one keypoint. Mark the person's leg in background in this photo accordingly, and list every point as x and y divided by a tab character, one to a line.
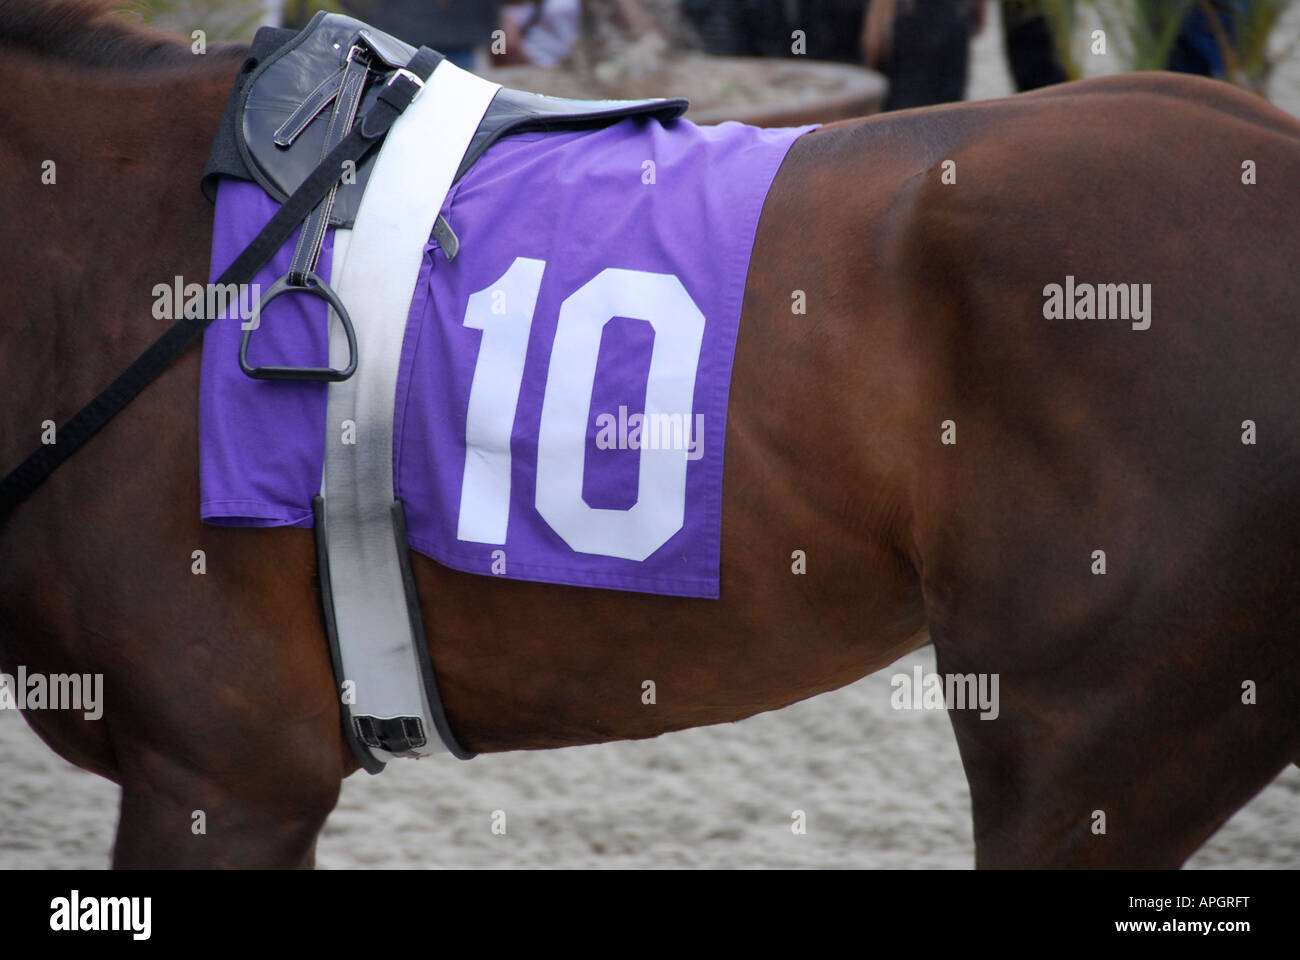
930	54
1197	48
725	27
1031	51
455	28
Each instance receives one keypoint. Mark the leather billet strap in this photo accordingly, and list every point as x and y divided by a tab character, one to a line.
352	84
396	96
375	268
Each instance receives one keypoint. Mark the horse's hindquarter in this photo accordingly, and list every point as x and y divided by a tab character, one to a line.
1077	434
1090	444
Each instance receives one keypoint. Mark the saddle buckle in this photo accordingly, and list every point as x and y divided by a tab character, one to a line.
414	78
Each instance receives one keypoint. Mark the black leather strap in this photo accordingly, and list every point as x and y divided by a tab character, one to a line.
352	84
19	484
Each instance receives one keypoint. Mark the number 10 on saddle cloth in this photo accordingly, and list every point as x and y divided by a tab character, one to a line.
562	397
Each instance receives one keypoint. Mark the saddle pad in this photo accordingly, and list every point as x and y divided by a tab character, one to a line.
562	395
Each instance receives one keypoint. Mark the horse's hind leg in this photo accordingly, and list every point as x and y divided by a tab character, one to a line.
1108	762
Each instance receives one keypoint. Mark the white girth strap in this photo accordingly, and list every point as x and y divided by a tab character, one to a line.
374	270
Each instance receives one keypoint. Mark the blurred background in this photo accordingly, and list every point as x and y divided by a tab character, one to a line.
777	62
879	787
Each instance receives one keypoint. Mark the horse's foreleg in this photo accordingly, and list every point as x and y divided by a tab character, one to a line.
173	815
233	755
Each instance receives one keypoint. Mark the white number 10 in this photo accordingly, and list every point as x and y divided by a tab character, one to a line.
504	312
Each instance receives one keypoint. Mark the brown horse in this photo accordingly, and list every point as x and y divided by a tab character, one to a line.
1161	693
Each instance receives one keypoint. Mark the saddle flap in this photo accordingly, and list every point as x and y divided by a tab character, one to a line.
279	89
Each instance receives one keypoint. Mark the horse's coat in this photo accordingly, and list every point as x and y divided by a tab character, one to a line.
594	444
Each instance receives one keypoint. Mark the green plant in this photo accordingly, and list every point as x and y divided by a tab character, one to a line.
1253	62
1142	33
220	20
1061	17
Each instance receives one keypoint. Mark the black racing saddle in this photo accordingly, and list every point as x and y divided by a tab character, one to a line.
277	120
295	100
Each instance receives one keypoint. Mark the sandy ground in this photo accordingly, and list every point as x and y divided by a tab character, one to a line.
879	787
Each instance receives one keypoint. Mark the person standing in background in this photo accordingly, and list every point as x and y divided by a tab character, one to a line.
455	28
922	47
541	32
1030	47
1199	47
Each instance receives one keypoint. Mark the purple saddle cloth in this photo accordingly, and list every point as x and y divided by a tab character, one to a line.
561	402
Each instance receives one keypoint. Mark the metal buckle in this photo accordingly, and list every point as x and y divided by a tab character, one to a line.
396	735
359	53
413	77
316	287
